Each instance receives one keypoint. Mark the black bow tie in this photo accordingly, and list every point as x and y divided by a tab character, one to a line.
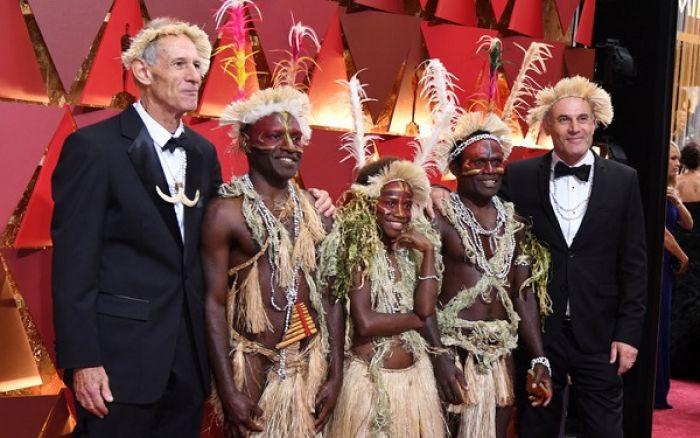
581	172
175	142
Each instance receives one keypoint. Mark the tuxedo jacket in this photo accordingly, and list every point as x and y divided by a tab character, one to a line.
123	280
603	273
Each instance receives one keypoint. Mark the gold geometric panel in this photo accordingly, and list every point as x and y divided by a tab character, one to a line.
18	368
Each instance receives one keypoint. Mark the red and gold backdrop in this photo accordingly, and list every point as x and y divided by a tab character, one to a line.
61	69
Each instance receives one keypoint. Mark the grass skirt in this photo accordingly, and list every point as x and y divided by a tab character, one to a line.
414	402
486	389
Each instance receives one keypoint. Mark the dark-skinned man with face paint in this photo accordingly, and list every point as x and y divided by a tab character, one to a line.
275	344
381	261
487	299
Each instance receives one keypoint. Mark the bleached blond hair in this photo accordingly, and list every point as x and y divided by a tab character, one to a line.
262	103
164	26
576	86
466	126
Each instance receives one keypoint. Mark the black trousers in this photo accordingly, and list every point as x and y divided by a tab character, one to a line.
178	413
596	389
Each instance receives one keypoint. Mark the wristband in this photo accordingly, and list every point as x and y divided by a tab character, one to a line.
542	361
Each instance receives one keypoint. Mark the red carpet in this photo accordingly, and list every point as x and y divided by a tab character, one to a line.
683	421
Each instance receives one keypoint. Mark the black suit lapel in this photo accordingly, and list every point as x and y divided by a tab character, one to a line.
145	160
543	178
192	185
596	198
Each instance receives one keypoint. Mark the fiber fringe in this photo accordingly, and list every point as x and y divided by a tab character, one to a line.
486	391
415	405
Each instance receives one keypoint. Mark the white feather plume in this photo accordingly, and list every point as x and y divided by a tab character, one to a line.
357	143
438	88
534	61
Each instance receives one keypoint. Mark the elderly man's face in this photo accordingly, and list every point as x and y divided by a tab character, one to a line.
175	78
571	124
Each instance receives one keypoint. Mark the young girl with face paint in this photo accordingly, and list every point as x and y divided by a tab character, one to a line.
382	260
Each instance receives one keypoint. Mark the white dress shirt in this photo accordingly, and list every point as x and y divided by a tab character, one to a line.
569	197
174	163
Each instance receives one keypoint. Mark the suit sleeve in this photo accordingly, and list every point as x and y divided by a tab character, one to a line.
80	192
632	269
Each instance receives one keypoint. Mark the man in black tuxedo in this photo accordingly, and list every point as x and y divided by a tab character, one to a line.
127	283
588	211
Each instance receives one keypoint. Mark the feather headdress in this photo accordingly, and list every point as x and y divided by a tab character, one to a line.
233	22
264	102
357	143
161	27
534	61
438	89
470	123
287	70
399	170
576	86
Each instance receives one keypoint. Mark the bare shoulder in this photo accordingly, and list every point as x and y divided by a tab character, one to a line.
223	215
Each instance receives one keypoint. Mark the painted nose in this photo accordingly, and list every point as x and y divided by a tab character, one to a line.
402	212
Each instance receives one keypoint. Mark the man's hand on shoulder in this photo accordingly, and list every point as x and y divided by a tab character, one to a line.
91	387
438	198
624	354
322	202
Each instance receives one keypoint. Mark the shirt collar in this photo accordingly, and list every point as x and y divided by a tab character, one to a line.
158	133
589	158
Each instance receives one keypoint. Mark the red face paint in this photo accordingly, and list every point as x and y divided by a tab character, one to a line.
484	156
394	208
278	130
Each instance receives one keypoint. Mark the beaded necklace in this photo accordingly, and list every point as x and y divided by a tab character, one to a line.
501	238
274	230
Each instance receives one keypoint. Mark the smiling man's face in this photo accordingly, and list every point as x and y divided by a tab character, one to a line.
274	145
479	169
571	124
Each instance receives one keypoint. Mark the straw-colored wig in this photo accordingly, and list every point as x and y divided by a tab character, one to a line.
164	26
576	86
264	102
399	170
463	135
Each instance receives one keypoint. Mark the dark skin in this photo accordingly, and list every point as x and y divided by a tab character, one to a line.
479	170
393	217
227	242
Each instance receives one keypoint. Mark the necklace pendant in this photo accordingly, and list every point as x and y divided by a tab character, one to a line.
179	197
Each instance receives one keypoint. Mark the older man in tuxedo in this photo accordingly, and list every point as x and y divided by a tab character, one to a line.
588	211
127	281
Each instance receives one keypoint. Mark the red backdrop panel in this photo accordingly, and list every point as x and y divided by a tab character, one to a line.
565	10
321	166
26	131
584	34
363	31
527	19
77	17
323	89
35	230
395	6
24	417
91	117
513	58
457	11
20	77
579	61
456	48
273	30
199	12
499	6
105	77
31	269
233	162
